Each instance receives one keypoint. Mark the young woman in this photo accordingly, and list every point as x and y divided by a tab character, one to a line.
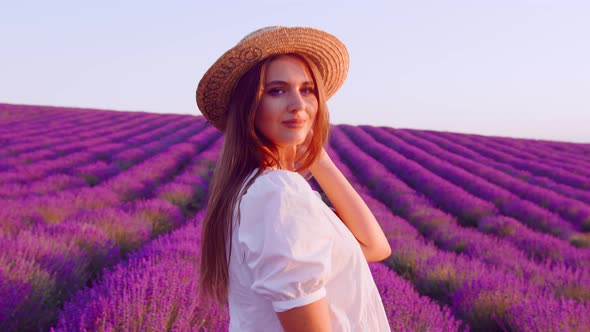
272	249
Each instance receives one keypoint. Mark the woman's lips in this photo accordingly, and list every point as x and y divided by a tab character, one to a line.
294	123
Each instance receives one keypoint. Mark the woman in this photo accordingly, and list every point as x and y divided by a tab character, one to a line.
279	256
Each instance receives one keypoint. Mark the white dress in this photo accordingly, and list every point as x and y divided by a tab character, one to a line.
289	250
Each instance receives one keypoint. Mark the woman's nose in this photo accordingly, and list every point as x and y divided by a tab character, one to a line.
296	102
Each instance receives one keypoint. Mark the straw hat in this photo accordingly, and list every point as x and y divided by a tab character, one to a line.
327	52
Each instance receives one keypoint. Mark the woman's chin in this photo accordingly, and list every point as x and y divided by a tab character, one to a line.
292	141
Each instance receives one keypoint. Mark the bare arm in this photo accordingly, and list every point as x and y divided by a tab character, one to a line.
313	317
352	210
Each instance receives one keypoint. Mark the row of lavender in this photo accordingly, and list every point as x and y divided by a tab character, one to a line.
564	186
55	260
540	154
433	170
502	187
573	170
452	189
488	279
111	189
41	167
53	245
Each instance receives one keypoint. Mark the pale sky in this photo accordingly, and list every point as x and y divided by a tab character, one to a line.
504	68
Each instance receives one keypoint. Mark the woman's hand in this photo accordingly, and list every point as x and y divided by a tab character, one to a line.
303	147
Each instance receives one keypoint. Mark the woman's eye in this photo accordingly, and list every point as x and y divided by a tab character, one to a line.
308	90
281	91
275	91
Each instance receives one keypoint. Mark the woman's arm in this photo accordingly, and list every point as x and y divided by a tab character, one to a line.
313	317
351	208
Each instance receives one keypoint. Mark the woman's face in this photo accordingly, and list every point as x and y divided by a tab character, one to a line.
289	104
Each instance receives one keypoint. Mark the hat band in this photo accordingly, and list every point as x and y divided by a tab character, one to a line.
215	82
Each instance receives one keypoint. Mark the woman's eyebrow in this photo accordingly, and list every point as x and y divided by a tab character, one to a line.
278	82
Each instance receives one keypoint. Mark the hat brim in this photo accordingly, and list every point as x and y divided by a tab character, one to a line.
327	52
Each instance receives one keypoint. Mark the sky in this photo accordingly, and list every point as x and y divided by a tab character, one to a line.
501	68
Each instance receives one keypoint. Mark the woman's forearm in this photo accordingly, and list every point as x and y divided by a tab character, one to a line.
351	209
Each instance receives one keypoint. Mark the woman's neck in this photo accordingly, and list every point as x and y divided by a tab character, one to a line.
286	159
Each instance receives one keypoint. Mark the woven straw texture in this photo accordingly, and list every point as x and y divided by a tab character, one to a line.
325	50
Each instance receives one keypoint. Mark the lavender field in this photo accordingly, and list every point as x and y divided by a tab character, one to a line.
100	216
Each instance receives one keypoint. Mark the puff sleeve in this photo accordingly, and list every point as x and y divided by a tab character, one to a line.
287	245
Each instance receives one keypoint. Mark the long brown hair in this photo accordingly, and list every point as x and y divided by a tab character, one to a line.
245	149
